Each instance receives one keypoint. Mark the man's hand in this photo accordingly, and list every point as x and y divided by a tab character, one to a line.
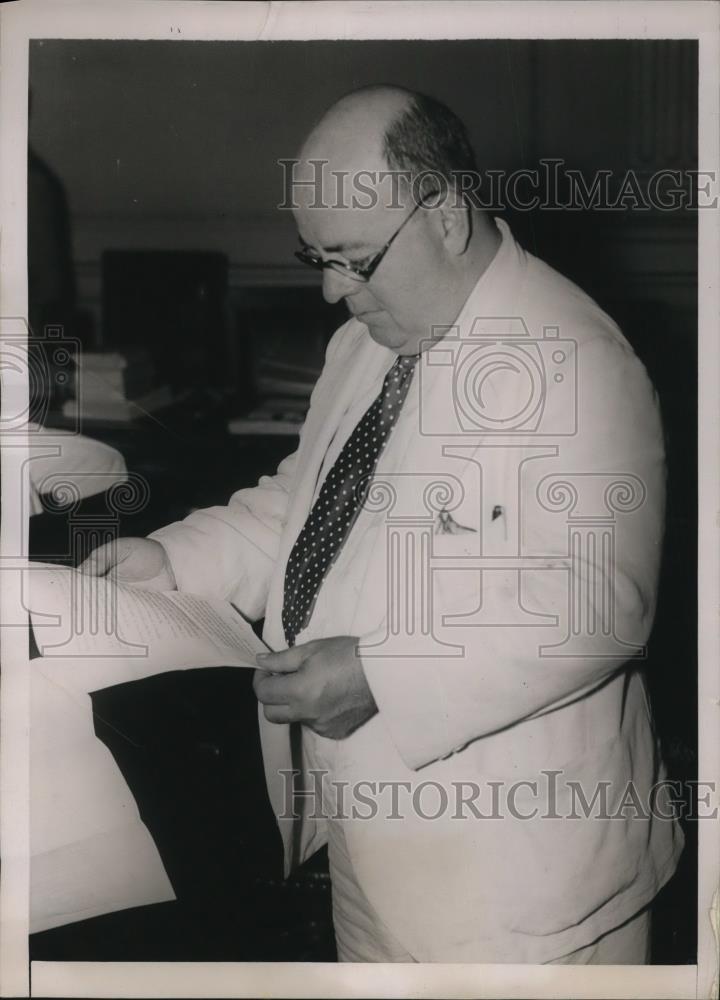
141	562
320	683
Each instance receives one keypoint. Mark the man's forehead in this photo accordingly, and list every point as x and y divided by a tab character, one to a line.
342	188
340	228
335	154
335	205
349	144
324	178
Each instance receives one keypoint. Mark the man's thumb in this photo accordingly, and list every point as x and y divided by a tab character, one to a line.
283	662
100	561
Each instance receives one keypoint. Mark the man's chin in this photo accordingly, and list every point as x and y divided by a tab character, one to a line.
382	329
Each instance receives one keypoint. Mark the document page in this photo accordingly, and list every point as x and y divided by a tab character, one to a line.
92	632
90	851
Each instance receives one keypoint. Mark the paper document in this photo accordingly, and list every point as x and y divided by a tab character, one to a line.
90	851
92	632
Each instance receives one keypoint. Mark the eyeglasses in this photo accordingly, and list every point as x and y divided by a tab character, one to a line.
358	270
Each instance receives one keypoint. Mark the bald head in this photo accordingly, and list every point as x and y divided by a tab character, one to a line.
385	127
352	132
402	261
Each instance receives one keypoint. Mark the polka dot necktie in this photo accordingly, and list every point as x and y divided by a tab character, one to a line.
340	500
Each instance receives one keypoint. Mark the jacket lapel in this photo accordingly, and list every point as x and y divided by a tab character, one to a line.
347	380
351	377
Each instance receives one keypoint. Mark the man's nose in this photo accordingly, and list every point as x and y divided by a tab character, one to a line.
335	286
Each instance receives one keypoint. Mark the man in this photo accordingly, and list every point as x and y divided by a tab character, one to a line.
456	568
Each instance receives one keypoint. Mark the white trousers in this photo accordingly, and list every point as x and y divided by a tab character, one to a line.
628	944
361	936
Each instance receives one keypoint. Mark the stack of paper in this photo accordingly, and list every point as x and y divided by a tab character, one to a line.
115	386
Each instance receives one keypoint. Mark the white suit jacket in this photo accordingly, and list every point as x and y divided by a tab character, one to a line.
504	663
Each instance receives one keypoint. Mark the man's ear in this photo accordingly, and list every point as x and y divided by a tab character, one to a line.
456	222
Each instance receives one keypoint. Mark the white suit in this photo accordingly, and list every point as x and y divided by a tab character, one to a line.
571	562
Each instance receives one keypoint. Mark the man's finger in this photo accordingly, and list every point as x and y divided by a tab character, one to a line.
274	689
283	661
279	713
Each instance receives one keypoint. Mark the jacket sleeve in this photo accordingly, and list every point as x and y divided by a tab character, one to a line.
434	706
229	552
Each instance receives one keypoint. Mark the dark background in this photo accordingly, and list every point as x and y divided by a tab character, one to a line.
156	164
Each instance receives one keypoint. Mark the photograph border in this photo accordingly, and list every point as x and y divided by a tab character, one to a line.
190	20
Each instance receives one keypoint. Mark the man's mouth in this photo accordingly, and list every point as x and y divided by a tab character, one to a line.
362	316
